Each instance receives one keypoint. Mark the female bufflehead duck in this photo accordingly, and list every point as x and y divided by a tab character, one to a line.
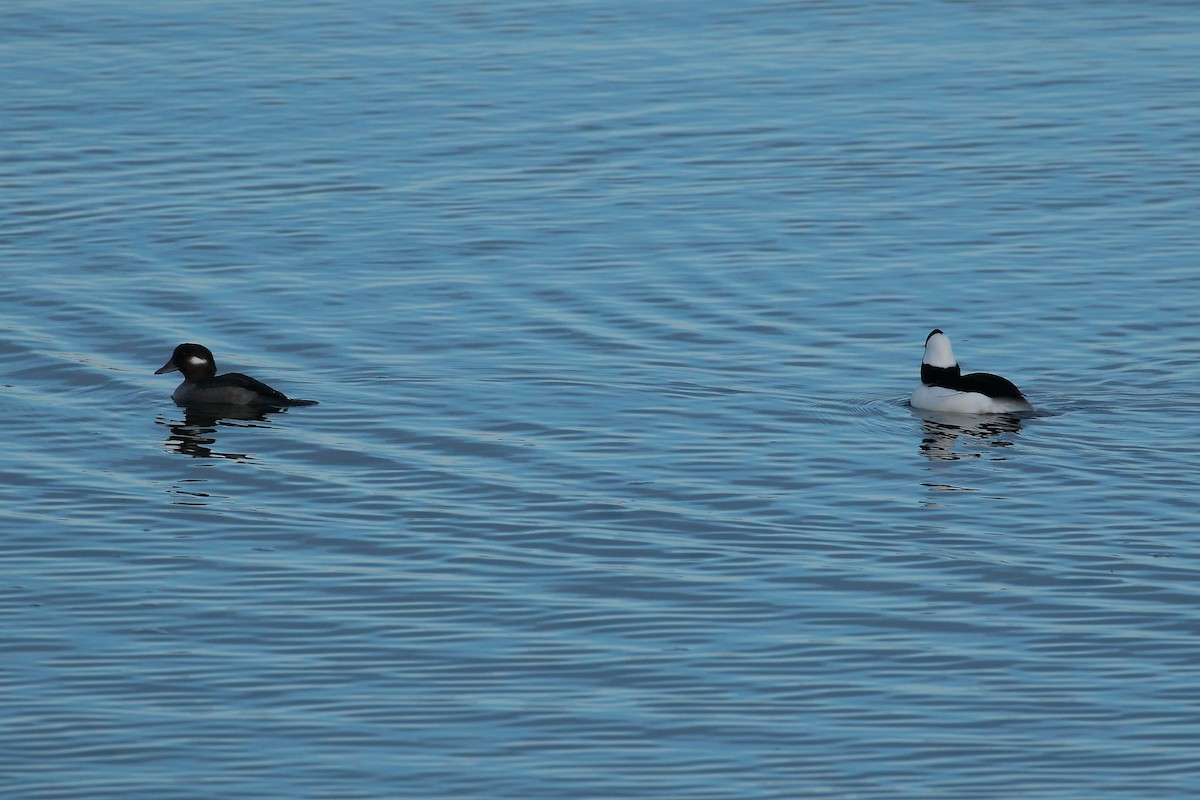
944	387
202	386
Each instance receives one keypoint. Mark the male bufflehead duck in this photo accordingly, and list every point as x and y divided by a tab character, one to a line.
202	386
944	387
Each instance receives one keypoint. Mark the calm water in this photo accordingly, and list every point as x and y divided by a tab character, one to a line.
612	310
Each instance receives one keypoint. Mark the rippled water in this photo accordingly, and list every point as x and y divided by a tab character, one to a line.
612	311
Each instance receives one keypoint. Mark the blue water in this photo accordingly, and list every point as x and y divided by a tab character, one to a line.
612	310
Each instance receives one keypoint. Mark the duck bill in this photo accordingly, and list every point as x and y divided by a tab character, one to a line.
167	367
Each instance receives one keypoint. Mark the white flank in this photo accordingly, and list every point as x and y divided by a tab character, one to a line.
939	398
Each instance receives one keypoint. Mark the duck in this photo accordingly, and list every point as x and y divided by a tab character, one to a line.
944	387
202	386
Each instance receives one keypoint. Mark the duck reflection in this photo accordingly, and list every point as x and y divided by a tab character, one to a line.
943	432
196	434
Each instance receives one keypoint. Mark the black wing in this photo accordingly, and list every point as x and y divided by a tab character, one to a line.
988	384
246	382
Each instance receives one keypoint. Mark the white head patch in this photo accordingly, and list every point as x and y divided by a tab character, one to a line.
938	352
200	360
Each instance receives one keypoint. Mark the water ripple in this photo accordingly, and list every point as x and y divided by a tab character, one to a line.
613	489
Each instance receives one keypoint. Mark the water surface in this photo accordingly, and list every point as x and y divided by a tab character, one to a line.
612	311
